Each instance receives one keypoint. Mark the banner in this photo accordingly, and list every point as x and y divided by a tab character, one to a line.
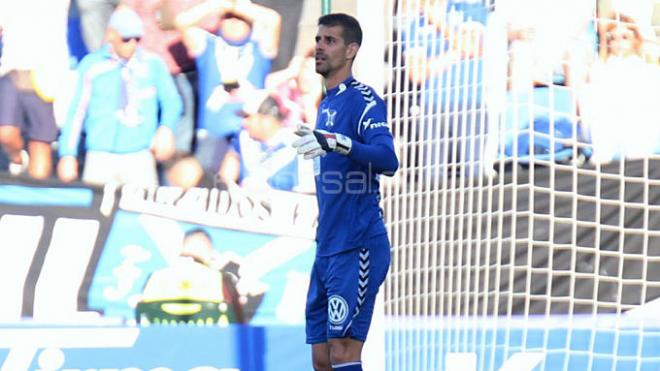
78	253
158	348
580	342
520	344
51	237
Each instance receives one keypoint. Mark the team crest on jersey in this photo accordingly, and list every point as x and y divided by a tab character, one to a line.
329	117
337	309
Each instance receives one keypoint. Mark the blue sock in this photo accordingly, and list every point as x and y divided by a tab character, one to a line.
348	366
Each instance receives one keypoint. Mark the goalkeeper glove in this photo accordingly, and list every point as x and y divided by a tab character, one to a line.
314	143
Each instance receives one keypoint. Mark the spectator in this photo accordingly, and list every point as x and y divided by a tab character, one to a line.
300	89
623	88
547	63
231	65
201	291
94	17
122	92
184	170
244	294
34	58
292	11
645	13
622	37
442	46
261	156
161	38
77	47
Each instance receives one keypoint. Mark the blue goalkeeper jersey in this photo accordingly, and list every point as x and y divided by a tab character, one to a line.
348	187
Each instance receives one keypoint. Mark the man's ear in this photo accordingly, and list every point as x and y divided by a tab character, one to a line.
351	50
111	35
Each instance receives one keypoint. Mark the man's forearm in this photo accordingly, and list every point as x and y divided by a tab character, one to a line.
380	156
194	15
254	12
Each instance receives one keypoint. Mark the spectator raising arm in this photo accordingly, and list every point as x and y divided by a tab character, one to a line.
194	37
267	23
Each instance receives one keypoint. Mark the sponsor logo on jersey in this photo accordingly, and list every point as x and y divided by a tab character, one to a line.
369	125
337	309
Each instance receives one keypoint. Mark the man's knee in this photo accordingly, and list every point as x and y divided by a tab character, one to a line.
345	350
321	357
40	159
10	135
322	364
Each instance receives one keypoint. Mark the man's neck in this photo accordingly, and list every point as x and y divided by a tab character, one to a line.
337	78
119	58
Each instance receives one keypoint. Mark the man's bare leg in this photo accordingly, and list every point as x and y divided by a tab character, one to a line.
41	159
345	351
321	357
12	143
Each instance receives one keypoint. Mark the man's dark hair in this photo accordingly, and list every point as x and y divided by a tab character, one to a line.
231	14
272	106
200	231
352	32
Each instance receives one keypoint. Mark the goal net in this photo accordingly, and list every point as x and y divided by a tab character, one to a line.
529	187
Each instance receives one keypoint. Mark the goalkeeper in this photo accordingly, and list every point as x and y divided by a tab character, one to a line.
350	147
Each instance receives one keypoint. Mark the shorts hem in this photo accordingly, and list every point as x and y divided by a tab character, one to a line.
350	336
316	341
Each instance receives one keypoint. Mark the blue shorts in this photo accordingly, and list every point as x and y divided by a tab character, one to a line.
24	109
210	150
342	291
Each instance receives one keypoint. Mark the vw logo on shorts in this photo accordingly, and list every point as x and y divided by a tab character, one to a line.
337	309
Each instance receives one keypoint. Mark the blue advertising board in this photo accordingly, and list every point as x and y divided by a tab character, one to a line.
517	346
604	342
162	348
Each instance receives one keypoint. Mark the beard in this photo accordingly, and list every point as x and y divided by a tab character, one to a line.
322	69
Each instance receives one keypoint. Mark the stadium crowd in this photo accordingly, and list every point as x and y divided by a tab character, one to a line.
155	92
528	80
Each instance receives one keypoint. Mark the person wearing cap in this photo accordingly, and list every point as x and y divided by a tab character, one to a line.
261	156
231	64
127	105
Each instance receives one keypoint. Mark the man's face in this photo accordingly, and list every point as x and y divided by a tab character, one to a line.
258	125
197	246
234	28
331	50
124	47
621	39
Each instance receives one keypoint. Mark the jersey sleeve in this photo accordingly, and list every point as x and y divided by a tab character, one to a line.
72	127
376	145
373	121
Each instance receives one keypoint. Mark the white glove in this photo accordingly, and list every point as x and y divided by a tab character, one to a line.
314	143
307	145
